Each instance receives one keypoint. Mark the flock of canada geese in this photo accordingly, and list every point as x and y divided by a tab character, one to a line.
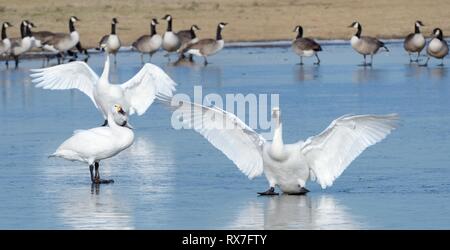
186	42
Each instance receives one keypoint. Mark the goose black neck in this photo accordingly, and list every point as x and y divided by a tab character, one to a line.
113	28
71	26
219	33
358	33
4	36
169	25
193	34
440	36
22	30
300	32
27	31
152	29
416	29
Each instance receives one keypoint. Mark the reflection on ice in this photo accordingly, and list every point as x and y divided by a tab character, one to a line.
144	168
294	212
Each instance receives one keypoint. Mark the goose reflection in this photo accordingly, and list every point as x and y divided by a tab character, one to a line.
365	74
295	212
307	73
146	177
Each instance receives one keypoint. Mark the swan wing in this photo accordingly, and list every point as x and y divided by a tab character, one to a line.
73	75
226	132
149	83
329	153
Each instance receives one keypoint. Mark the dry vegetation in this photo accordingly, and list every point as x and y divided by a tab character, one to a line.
248	20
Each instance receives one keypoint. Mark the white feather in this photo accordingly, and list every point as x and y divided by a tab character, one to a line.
329	153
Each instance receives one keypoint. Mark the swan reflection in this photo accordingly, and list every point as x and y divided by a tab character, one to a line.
295	212
143	174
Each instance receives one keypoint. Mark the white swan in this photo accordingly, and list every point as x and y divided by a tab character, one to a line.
322	158
135	95
96	144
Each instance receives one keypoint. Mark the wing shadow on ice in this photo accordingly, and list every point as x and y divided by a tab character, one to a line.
294	212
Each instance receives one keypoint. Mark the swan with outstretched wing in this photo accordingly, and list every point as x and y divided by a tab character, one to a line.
322	158
135	96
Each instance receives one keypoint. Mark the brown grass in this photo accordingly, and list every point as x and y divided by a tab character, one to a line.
250	20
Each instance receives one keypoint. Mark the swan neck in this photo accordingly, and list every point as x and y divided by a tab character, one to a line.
105	73
278	135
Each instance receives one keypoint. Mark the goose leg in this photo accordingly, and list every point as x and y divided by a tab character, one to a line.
115	58
206	61
364	64
426	63
97	179
442	63
410	58
270	191
301	60
418	55
318	60
105	123
191	58
371	60
16	59
7	62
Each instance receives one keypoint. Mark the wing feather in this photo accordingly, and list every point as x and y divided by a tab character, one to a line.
149	83
73	75
329	153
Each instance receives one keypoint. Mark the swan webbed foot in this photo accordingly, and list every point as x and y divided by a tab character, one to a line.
270	191
105	123
303	191
102	181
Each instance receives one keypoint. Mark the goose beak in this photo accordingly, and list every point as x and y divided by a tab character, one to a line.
350	26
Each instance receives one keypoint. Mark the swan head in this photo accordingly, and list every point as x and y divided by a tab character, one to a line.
120	116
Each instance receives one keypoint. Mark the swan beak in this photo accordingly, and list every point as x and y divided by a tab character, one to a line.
126	124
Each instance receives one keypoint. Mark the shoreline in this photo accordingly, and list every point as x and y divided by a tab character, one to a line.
229	45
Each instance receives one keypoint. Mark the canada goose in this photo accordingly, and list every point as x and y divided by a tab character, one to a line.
135	95
5	43
21	45
437	47
63	42
187	37
365	45
414	42
149	43
322	158
111	41
304	46
207	47
96	144
171	42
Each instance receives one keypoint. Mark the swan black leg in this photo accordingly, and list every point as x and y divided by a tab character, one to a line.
302	191
97	179
270	191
